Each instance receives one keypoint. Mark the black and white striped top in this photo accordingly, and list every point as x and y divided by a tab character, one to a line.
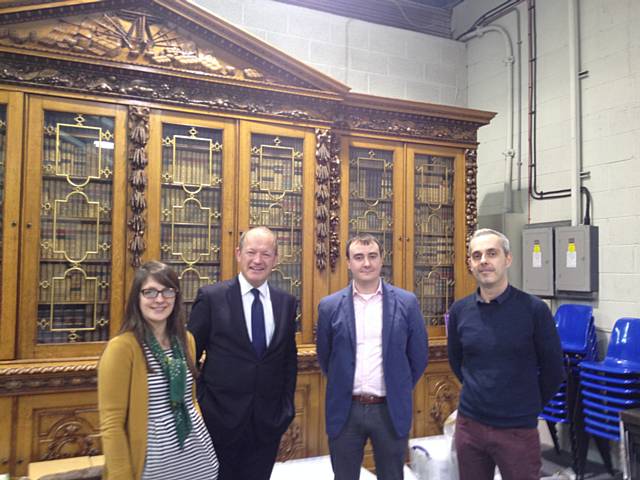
164	458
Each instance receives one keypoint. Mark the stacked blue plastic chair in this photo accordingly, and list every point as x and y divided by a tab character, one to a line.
579	343
613	385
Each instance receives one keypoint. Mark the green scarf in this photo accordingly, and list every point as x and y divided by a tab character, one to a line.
175	369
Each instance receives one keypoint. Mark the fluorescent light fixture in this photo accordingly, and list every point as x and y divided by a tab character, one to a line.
103	144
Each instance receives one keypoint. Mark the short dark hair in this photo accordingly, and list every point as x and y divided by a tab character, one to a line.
364	239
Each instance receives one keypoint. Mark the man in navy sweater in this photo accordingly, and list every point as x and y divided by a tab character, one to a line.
504	348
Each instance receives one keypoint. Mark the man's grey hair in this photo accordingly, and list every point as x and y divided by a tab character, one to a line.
506	248
265	230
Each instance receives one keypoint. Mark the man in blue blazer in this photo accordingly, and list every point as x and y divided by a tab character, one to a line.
372	346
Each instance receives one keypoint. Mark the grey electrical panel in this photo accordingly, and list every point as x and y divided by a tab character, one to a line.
537	261
577	259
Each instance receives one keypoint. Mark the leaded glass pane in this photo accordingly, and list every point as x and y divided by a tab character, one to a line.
371	199
3	160
433	227
275	201
191	215
75	228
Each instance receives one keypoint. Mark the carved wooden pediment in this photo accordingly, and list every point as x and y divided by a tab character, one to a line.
169	36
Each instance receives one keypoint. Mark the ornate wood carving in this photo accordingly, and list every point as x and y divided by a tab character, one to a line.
32	380
290	442
140	86
407	125
127	36
334	202
71	436
327	199
138	139
471	196
445	401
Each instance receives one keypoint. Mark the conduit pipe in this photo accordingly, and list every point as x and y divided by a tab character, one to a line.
509	152
575	102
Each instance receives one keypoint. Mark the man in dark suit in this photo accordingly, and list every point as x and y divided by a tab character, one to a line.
247	383
372	345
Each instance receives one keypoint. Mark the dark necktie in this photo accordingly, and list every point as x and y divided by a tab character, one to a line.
258	335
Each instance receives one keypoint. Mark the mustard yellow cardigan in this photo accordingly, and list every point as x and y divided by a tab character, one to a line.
122	404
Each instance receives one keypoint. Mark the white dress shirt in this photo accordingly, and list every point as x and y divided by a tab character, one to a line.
247	301
369	374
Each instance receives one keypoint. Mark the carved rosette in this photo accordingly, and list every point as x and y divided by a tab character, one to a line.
72	436
327	199
471	195
445	401
138	140
290	442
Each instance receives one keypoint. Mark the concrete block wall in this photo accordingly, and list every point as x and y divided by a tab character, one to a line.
610	52
373	59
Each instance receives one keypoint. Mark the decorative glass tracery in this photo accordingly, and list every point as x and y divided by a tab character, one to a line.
191	214
433	232
275	201
75	228
371	197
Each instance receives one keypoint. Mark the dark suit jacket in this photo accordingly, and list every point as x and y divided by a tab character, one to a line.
236	387
404	354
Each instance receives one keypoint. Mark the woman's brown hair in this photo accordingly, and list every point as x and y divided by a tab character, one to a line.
134	321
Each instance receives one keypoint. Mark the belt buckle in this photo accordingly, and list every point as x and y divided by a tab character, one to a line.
369	398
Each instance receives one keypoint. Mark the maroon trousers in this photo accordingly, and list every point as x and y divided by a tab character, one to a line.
516	451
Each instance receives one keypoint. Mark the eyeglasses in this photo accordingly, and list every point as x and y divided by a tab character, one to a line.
153	293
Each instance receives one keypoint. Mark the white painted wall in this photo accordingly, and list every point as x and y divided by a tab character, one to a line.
373	59
610	48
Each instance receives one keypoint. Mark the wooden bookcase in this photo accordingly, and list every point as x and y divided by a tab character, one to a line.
150	129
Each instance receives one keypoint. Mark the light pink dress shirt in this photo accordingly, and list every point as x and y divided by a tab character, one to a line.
369	375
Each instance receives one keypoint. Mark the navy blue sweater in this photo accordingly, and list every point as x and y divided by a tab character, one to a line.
508	356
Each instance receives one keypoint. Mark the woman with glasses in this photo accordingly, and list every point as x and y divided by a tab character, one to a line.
150	421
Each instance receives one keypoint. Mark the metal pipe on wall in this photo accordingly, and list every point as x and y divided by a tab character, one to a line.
509	152
575	102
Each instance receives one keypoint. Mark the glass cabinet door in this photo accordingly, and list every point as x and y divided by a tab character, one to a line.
191	190
74	226
11	117
371	173
430	232
275	164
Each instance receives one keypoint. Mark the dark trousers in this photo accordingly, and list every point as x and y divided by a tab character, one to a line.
347	449
246	458
516	451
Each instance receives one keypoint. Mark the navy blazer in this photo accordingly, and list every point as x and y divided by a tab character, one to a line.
236	387
404	354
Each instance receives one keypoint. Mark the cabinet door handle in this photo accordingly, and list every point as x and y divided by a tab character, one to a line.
14	224
29	224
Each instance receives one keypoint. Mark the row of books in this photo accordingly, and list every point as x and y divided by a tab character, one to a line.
434	193
195	243
72	285
79	323
192	166
178	203
277	174
56	199
83	158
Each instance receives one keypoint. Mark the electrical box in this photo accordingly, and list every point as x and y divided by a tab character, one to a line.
537	261
576	259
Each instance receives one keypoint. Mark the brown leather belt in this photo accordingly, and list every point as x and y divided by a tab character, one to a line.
368	399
